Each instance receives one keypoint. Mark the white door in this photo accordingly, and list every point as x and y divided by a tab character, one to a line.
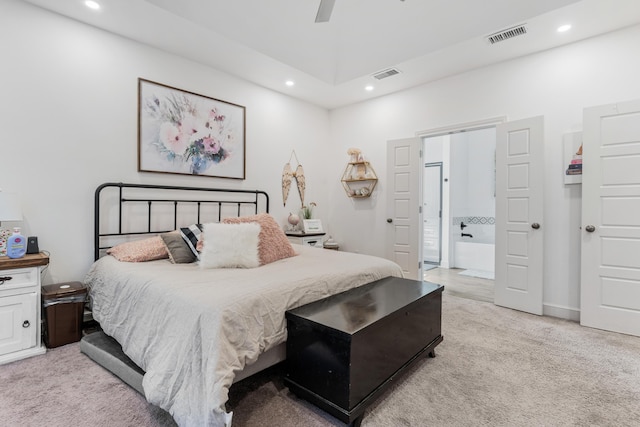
403	205
610	272
519	191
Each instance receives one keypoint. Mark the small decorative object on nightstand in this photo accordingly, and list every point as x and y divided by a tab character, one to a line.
305	239
20	302
293	220
312	226
331	244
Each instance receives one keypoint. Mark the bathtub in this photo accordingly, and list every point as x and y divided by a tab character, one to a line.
474	256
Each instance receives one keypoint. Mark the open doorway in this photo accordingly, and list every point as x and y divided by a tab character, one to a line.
459	204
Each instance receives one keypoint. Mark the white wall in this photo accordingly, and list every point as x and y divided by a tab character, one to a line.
557	83
474	153
68	108
472	184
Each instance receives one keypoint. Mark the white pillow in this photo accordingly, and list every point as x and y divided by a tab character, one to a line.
230	245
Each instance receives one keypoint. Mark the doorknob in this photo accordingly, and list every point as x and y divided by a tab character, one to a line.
590	228
535	225
389	220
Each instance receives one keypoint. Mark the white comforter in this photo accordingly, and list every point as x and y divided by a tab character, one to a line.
191	330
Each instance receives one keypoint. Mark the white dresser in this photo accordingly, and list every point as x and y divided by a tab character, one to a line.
20	313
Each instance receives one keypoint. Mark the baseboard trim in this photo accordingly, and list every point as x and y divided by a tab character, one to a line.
561	312
22	354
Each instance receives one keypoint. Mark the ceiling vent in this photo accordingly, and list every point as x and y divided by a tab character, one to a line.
386	73
509	33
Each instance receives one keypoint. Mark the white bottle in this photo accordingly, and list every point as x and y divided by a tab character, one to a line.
16	244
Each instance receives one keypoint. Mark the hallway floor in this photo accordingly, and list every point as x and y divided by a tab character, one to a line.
461	286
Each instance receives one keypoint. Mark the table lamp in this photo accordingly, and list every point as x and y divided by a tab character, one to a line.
10	210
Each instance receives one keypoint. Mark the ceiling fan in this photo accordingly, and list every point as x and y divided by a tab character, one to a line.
324	10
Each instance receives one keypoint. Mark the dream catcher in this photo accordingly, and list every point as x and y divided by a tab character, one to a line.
288	175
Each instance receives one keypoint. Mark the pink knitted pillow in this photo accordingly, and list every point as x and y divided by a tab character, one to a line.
140	250
273	244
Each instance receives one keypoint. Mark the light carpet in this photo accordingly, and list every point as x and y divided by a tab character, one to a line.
496	367
482	274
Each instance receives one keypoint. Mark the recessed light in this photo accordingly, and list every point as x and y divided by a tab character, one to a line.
563	28
290	83
92	4
368	88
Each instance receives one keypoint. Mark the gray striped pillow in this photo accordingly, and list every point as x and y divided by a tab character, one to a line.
191	234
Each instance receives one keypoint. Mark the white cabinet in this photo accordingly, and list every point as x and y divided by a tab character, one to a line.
308	239
17	321
20	329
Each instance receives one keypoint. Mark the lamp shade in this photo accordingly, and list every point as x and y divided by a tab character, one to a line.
10	208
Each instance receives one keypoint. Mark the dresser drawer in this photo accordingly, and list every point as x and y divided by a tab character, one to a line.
314	240
18	280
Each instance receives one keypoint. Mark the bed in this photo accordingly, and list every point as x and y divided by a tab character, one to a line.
193	331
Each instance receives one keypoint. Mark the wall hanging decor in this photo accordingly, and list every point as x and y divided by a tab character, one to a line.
359	179
288	174
181	132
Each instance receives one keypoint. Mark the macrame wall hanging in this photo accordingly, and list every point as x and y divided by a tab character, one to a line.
288	174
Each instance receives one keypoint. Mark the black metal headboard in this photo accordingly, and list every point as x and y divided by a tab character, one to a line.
162	208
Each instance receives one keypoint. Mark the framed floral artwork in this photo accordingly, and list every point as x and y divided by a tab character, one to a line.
185	133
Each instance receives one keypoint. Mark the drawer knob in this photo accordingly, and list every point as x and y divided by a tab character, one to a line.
5	279
26	324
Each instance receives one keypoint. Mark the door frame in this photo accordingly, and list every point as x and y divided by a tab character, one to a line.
462	127
449	130
440	166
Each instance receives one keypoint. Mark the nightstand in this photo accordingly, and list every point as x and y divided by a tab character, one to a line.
305	239
20	329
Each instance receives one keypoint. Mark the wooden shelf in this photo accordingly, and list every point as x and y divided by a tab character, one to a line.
359	179
29	260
